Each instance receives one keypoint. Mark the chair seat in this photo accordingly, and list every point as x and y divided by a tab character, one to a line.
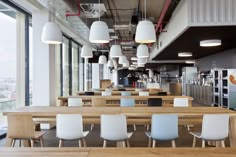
39	134
196	134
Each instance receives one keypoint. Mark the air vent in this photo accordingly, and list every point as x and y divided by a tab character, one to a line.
91	10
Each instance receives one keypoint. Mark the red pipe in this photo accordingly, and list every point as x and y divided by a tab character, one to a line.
163	12
72	14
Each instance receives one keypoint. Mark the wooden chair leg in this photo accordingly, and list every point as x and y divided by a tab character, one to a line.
60	143
149	142
173	143
91	127
84	142
41	141
134	127
148	127
194	141
104	143
20	143
203	143
153	143
128	145
123	143
80	143
32	143
13	142
223	143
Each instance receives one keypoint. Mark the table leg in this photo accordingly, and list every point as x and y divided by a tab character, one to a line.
8	141
232	131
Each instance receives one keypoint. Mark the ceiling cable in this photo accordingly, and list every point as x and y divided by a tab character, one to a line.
145	8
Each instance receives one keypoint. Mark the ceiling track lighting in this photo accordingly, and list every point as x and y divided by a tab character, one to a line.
210	43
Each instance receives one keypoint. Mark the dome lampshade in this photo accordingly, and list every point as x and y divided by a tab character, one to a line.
86	52
115	51
145	32
110	63
102	59
122	60
51	33
142	51
99	33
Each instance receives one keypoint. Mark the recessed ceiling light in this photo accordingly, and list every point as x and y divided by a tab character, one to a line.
209	43
185	54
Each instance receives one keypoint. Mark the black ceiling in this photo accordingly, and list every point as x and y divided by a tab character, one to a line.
189	41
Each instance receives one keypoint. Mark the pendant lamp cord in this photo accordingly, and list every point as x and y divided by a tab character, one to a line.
145	9
99	9
115	30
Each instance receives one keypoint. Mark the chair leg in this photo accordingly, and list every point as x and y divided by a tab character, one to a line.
128	145
104	143
84	142
153	143
173	143
203	143
223	143
91	127
13	142
41	141
194	141
123	143
20	143
32	143
148	127
149	142
80	143
134	127
60	143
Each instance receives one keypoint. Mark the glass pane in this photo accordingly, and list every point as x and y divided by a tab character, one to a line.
30	60
75	68
58	70
81	72
8	55
65	63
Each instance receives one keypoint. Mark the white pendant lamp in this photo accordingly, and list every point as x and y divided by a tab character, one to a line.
126	64
145	31
142	51
122	60
86	52
51	33
99	33
102	59
110	64
115	51
142	61
210	43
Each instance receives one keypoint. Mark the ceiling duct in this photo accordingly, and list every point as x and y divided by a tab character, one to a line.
91	10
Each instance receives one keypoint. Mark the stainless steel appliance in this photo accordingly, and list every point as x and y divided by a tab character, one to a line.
189	76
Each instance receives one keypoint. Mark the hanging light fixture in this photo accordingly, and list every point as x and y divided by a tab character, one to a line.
185	54
51	33
122	60
99	32
115	51
110	64
86	52
126	64
102	59
142	61
145	31
210	43
142	51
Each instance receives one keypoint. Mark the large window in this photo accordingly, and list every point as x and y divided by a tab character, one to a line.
75	68
65	64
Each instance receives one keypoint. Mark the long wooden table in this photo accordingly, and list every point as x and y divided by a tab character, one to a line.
117	152
118	93
88	99
135	115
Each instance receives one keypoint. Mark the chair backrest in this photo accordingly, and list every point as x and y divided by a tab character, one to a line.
88	93
155	102
164	126
98	102
127	102
69	126
108	90
162	93
125	93
180	102
75	102
20	126
106	93
143	93
215	126
138	89
112	132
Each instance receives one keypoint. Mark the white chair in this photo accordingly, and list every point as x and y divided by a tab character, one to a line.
106	93
75	102
125	93
215	127
164	127
70	127
180	102
108	90
143	93
117	132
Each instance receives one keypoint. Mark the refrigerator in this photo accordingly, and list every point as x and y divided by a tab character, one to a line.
189	75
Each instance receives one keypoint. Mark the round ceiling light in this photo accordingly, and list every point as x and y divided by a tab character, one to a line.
142	51
145	32
185	54
99	33
51	33
115	51
86	52
210	43
102	59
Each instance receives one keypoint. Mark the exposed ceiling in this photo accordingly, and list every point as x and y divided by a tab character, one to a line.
189	41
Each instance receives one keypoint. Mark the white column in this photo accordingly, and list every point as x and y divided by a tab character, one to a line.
86	74
44	66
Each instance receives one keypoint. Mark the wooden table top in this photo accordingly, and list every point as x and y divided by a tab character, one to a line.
129	111
118	93
117	152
